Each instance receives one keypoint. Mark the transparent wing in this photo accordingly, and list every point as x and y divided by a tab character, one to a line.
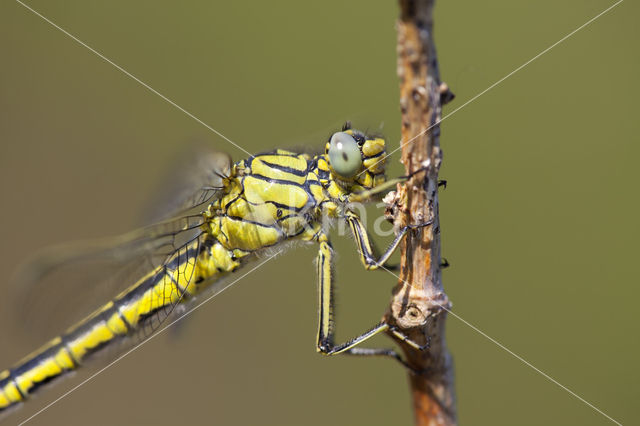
192	180
64	283
172	272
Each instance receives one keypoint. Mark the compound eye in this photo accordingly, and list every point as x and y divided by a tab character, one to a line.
344	155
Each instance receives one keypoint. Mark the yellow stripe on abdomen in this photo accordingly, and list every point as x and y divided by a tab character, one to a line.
104	326
157	293
51	361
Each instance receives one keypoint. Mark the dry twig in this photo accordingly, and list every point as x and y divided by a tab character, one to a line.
419	305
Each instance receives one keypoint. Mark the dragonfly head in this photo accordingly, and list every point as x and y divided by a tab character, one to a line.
356	160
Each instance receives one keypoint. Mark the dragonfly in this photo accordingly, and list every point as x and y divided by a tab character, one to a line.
242	211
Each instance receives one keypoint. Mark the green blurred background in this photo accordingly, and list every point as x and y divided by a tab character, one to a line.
539	222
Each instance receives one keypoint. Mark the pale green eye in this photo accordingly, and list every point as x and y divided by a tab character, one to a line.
344	155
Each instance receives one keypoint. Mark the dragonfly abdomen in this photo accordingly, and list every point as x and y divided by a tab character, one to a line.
140	308
61	355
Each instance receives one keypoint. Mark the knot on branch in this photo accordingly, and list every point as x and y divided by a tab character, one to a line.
412	307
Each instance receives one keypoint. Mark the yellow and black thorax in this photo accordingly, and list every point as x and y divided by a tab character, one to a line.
280	195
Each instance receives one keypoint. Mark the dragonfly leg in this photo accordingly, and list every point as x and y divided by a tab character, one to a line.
415	345
350	347
384	187
379	352
325	342
388	353
365	248
327	347
376	191
325	295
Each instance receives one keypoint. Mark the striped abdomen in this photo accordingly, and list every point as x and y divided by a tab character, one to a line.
139	309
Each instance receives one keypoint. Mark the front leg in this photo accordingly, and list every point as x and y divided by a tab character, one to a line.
364	242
